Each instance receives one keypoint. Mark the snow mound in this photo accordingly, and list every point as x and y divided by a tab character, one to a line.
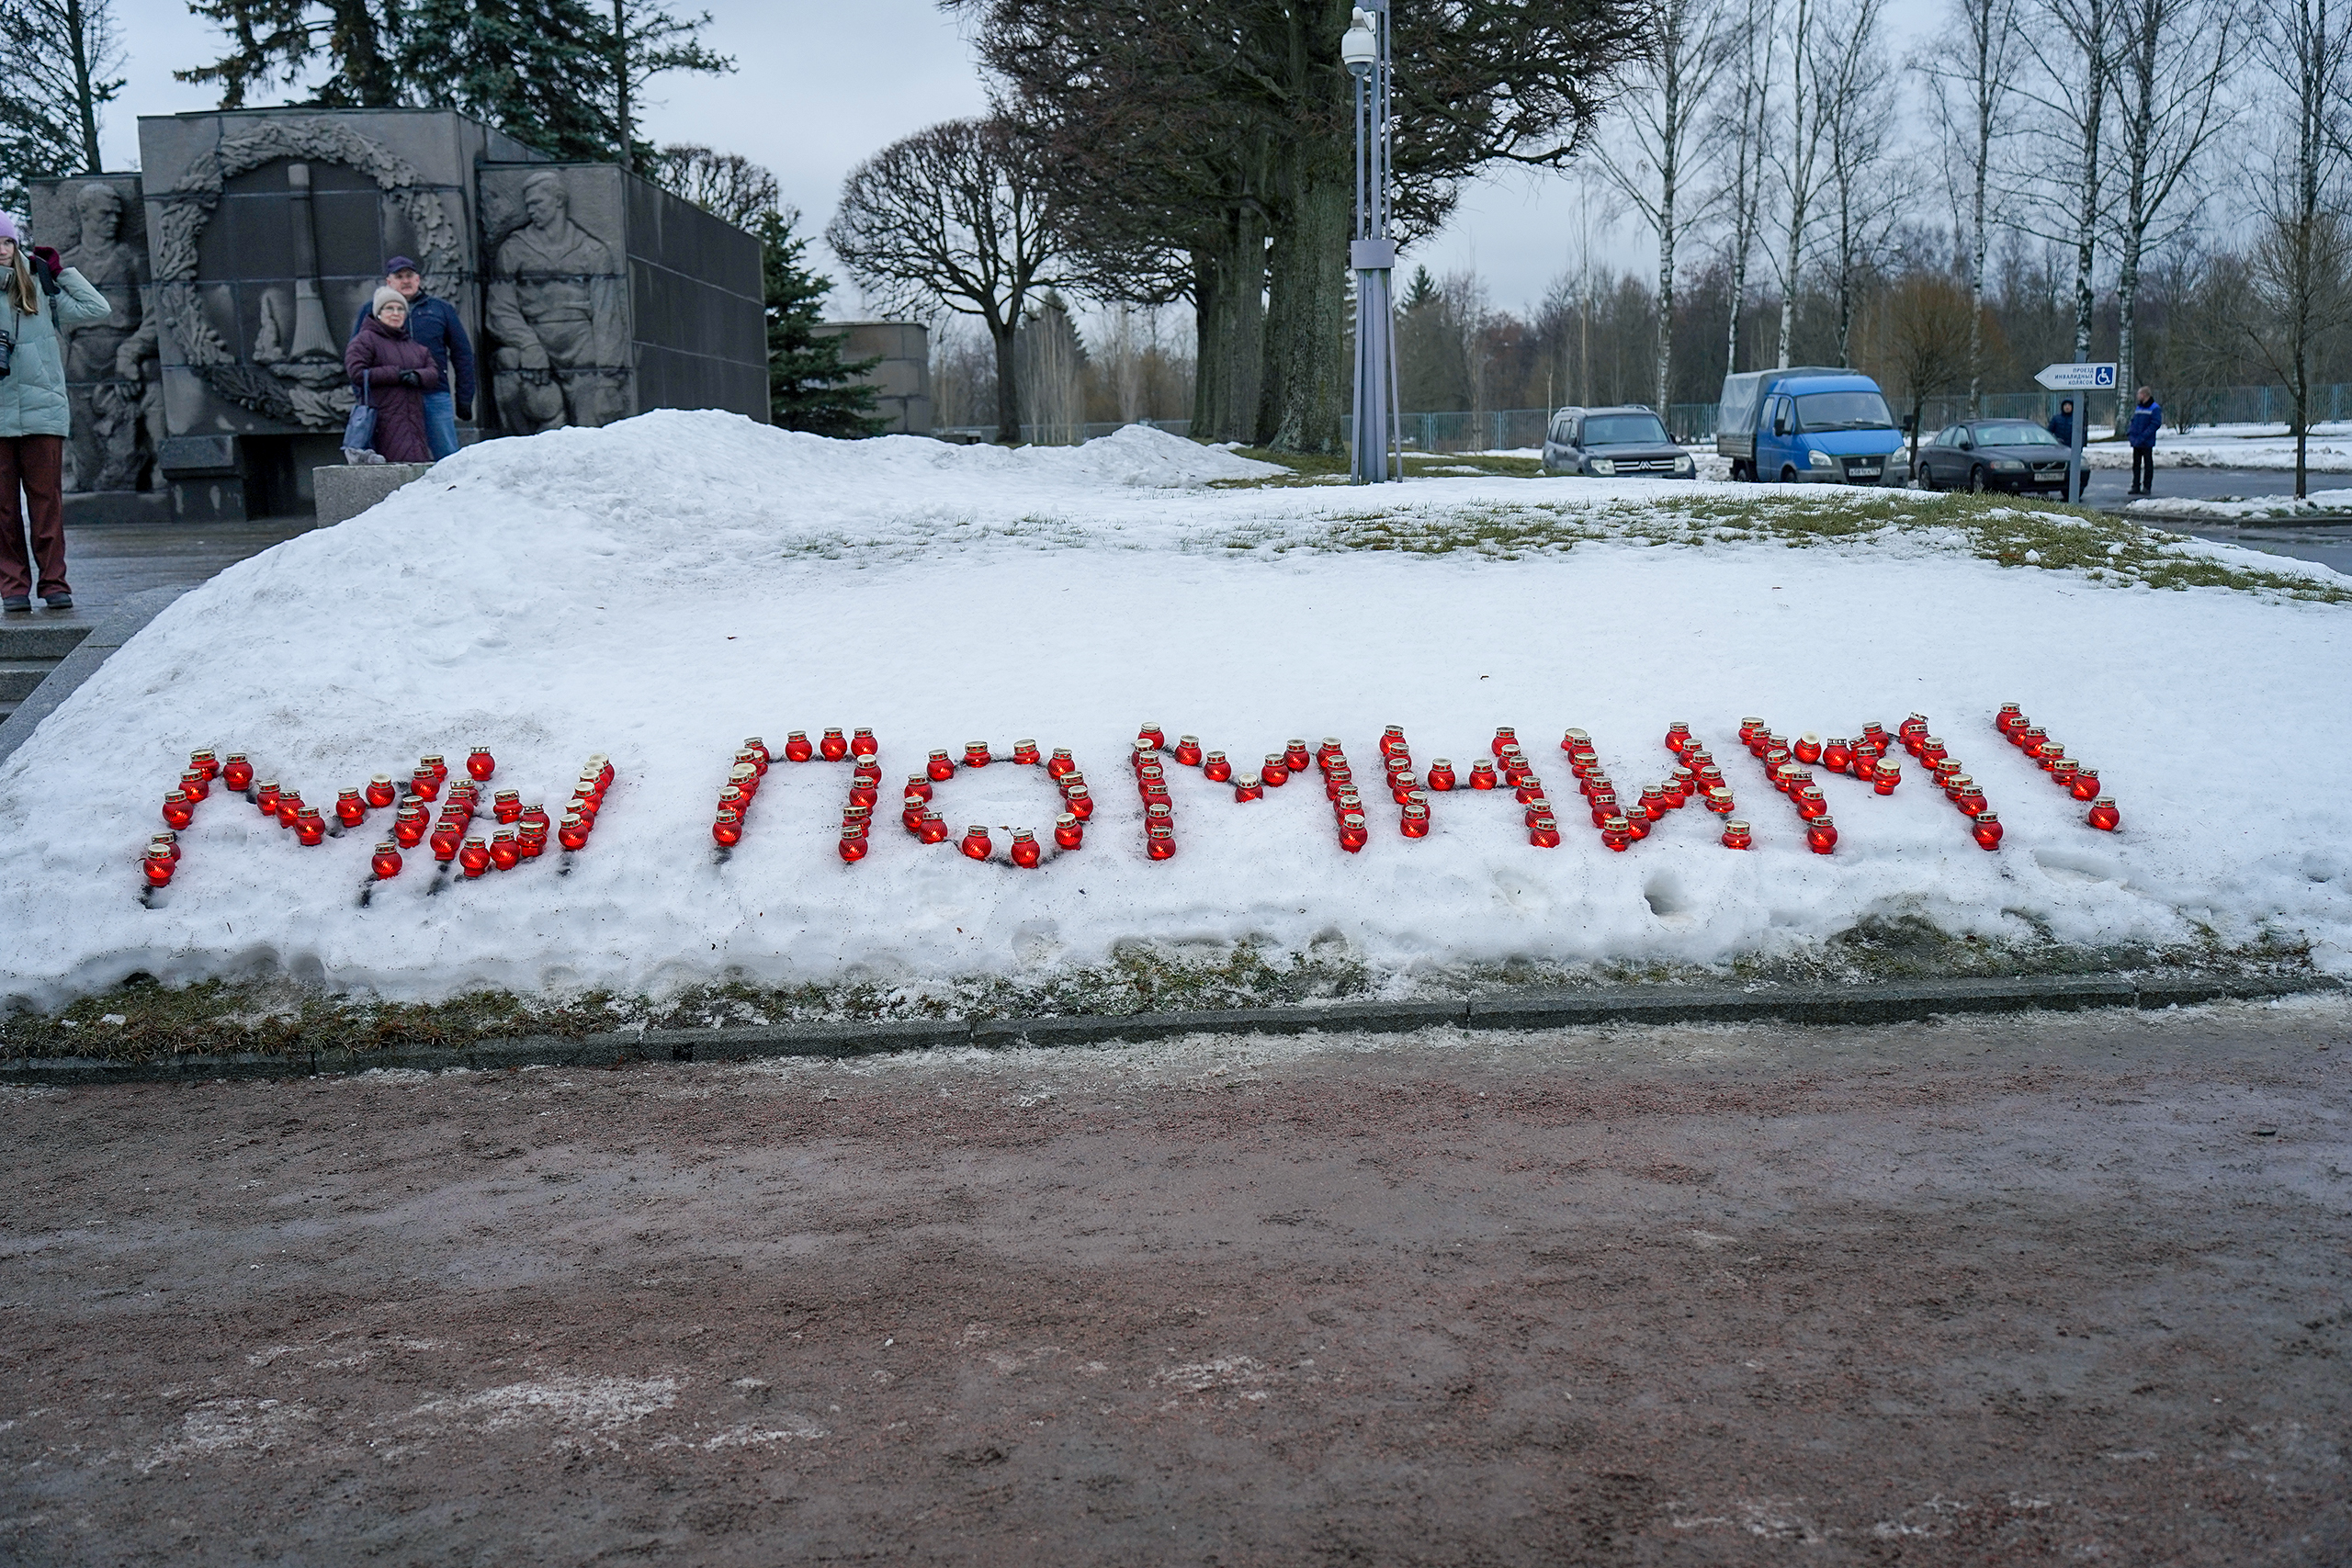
662	588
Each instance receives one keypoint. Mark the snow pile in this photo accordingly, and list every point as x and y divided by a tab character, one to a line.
660	590
2327	451
2260	508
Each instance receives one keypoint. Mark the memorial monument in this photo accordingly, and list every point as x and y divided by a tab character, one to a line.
238	258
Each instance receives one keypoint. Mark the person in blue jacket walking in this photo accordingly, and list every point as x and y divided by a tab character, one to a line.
2147	418
434	324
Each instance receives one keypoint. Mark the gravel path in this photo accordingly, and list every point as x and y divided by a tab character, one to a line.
2028	1289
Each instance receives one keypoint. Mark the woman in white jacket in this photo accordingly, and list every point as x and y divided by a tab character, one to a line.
37	295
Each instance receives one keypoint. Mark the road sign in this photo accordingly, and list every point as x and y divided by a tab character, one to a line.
2078	378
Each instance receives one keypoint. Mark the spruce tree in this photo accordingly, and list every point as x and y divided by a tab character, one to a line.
810	387
540	71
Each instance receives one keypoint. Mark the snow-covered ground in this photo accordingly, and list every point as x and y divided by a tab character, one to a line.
2328	450
2260	508
658	590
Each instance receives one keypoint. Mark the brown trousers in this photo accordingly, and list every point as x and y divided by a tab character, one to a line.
36	464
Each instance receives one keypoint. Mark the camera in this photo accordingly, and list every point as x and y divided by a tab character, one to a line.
7	350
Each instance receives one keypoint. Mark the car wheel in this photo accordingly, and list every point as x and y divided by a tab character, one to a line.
1789	476
1923	475
1976	480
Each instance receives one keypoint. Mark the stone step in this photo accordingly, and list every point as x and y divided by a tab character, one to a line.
29	652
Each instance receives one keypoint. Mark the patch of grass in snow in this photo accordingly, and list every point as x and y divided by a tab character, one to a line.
2104	548
141	1021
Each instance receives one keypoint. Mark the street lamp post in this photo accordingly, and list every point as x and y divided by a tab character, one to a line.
1378	431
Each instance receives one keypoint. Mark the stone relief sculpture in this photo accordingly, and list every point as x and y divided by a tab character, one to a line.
555	311
305	354
112	371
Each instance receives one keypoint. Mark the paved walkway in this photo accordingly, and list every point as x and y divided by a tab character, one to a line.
108	563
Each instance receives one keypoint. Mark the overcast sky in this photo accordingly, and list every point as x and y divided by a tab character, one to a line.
821	84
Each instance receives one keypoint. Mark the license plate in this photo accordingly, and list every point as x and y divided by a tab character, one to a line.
1864	473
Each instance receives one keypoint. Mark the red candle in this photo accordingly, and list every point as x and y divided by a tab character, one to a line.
1353	833
2032	739
158	866
445	837
1077	797
1931	750
349	809
1415	823
1404	785
941	767
2011	719
1441	774
237	773
169	843
1159	844
833	747
506	805
1678	738
2086	784
505	850
1865	766
1837	756
1971	800
573	831
1069	831
1246	786
1736	836
309	829
1025	851
1215	768
1885	777
289	806
975	843
1482	774
758	749
1276	772
1061	765
424	785
1152	736
796	748
1503	737
2103	815
1913	729
409	832
195	786
1188	750
852	847
1392	741
1808	748
178	810
912	812
976	754
1543	833
380	792
1988	831
1719	801
1617	833
862	743
935	828
479	764
2064	772
1296	757
1821	835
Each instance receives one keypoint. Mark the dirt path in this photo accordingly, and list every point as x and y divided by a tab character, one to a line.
2028	1290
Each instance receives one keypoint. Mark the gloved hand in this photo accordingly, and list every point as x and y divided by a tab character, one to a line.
411	378
46	267
464	408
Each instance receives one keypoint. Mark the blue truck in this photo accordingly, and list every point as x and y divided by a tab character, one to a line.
1808	425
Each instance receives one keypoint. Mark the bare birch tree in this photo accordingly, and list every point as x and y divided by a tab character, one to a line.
1750	116
1857	105
2172	57
2071	50
1686	55
1797	167
1974	78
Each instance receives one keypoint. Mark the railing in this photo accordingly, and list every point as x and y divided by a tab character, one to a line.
1507	429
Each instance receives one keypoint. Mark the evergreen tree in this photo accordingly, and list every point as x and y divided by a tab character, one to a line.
810	387
645	41
540	71
281	40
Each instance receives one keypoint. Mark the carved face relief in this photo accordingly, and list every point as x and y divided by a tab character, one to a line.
546	202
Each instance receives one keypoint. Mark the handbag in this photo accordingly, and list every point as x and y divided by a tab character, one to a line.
359	430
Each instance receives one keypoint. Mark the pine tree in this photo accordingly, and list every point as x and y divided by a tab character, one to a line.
55	57
540	71
810	387
281	40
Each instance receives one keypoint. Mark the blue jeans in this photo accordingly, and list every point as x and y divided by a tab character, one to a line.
441	424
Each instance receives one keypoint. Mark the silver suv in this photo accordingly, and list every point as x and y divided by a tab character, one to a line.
1615	443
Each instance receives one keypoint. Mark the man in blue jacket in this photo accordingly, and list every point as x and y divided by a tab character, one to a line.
435	324
2147	418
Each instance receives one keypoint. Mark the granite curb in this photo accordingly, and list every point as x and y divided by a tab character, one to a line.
1499	1010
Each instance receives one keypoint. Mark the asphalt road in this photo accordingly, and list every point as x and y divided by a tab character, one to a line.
2046	1289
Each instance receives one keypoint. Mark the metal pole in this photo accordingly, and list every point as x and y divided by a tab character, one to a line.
1376	428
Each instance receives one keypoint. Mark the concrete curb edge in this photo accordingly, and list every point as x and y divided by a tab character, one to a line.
1562	1010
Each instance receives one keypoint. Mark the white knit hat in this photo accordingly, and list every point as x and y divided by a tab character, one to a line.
376	306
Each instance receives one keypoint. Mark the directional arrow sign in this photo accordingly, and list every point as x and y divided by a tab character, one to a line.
2078	378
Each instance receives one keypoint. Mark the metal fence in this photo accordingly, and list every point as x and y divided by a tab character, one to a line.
1492	430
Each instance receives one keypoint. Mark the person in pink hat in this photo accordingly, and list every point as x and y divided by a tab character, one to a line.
37	295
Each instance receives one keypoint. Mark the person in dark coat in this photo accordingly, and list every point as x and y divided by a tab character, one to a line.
2062	428
394	372
435	324
2148	420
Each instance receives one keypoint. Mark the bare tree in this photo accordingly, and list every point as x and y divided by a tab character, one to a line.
727	184
1751	113
646	41
1856	107
2071	47
952	218
1974	78
2300	272
1685	56
1928	342
1804	147
2171	60
57	64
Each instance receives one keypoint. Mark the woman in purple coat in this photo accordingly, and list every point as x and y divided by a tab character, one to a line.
395	372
